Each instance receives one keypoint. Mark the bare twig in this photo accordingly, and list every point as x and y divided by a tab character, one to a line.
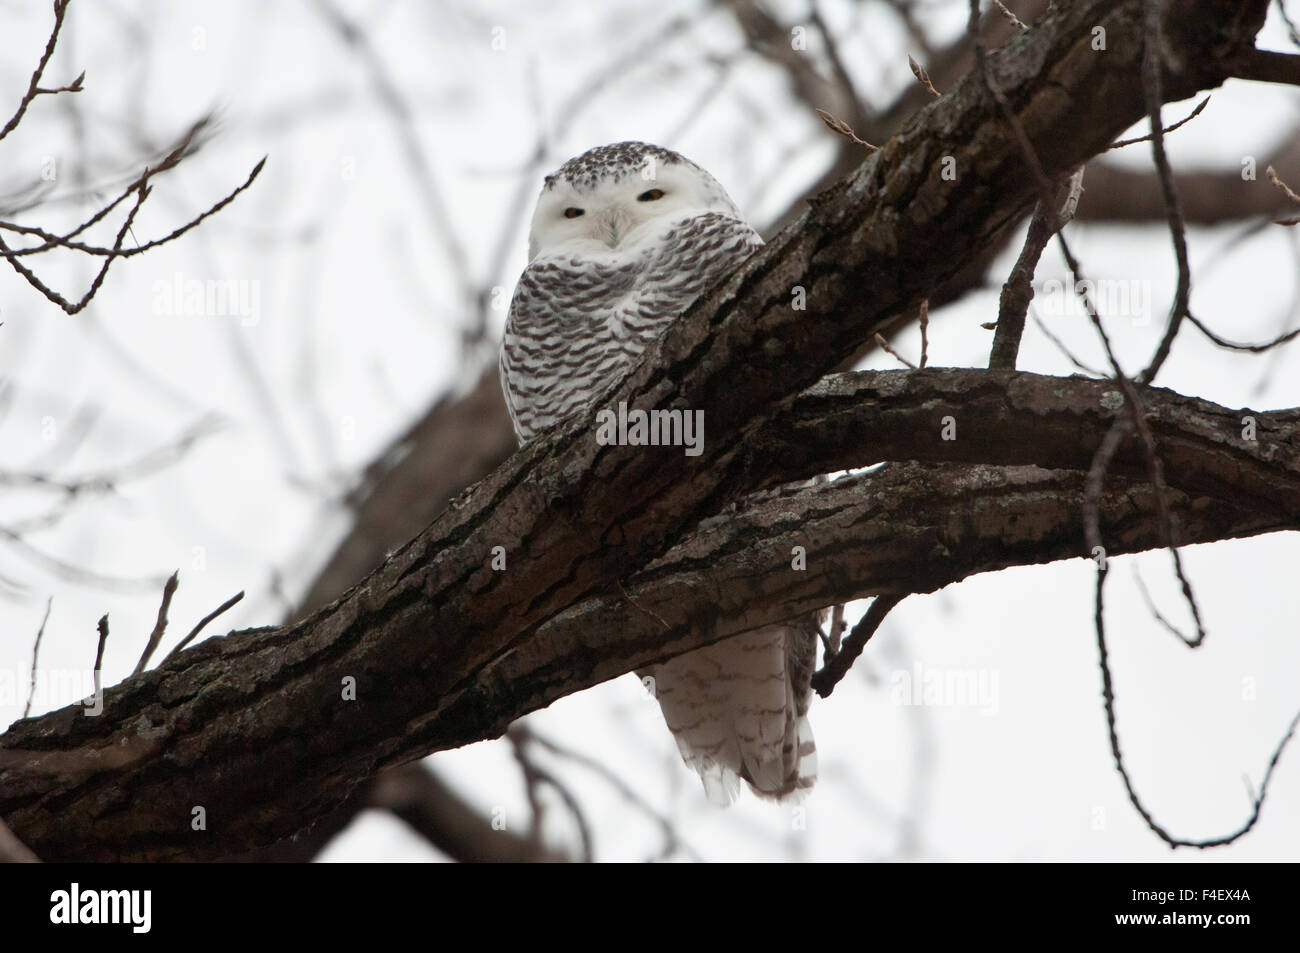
99	651
203	622
922	76
1018	290
185	146
139	187
36	648
1041	181
1108	695
840	71
396	105
142	193
837	630
65	241
1060	346
521	739
146	464
1136	420
33	88
640	608
160	626
1015	20
672	840
1152	88
77	574
1151	605
1234	346
1286	190
837	666
925	330
1136	416
842	128
1120	143
888	349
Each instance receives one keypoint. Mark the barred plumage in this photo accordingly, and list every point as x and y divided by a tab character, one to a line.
625	237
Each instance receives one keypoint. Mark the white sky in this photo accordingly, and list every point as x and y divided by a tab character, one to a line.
356	330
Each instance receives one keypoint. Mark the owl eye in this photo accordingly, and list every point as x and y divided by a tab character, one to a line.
572	212
650	196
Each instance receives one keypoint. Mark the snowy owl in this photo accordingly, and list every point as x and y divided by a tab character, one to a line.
624	238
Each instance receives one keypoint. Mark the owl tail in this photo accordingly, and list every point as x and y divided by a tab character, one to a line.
738	711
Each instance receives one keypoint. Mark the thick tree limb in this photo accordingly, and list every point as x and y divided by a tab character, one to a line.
909	528
254	726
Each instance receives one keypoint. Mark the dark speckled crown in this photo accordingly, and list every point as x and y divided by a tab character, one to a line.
619	160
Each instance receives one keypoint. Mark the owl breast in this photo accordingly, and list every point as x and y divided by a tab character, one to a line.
579	319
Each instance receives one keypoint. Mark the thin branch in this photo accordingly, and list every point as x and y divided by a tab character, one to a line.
1108	695
160	626
147	464
1018	290
840	127
73	87
1015	20
142	193
521	739
1151	605
203	622
838	626
837	666
77	574
1041	180
888	349
64	241
33	88
99	652
1120	143
672	841
925	330
187	145
1234	346
1136	419
838	69
392	97
639	608
1152	87
922	77
36	648
1060	346
1287	191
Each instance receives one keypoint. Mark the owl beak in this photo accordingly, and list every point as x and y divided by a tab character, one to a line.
610	226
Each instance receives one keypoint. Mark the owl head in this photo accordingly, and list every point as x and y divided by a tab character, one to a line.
613	197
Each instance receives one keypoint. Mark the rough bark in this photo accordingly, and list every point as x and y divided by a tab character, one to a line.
252	726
